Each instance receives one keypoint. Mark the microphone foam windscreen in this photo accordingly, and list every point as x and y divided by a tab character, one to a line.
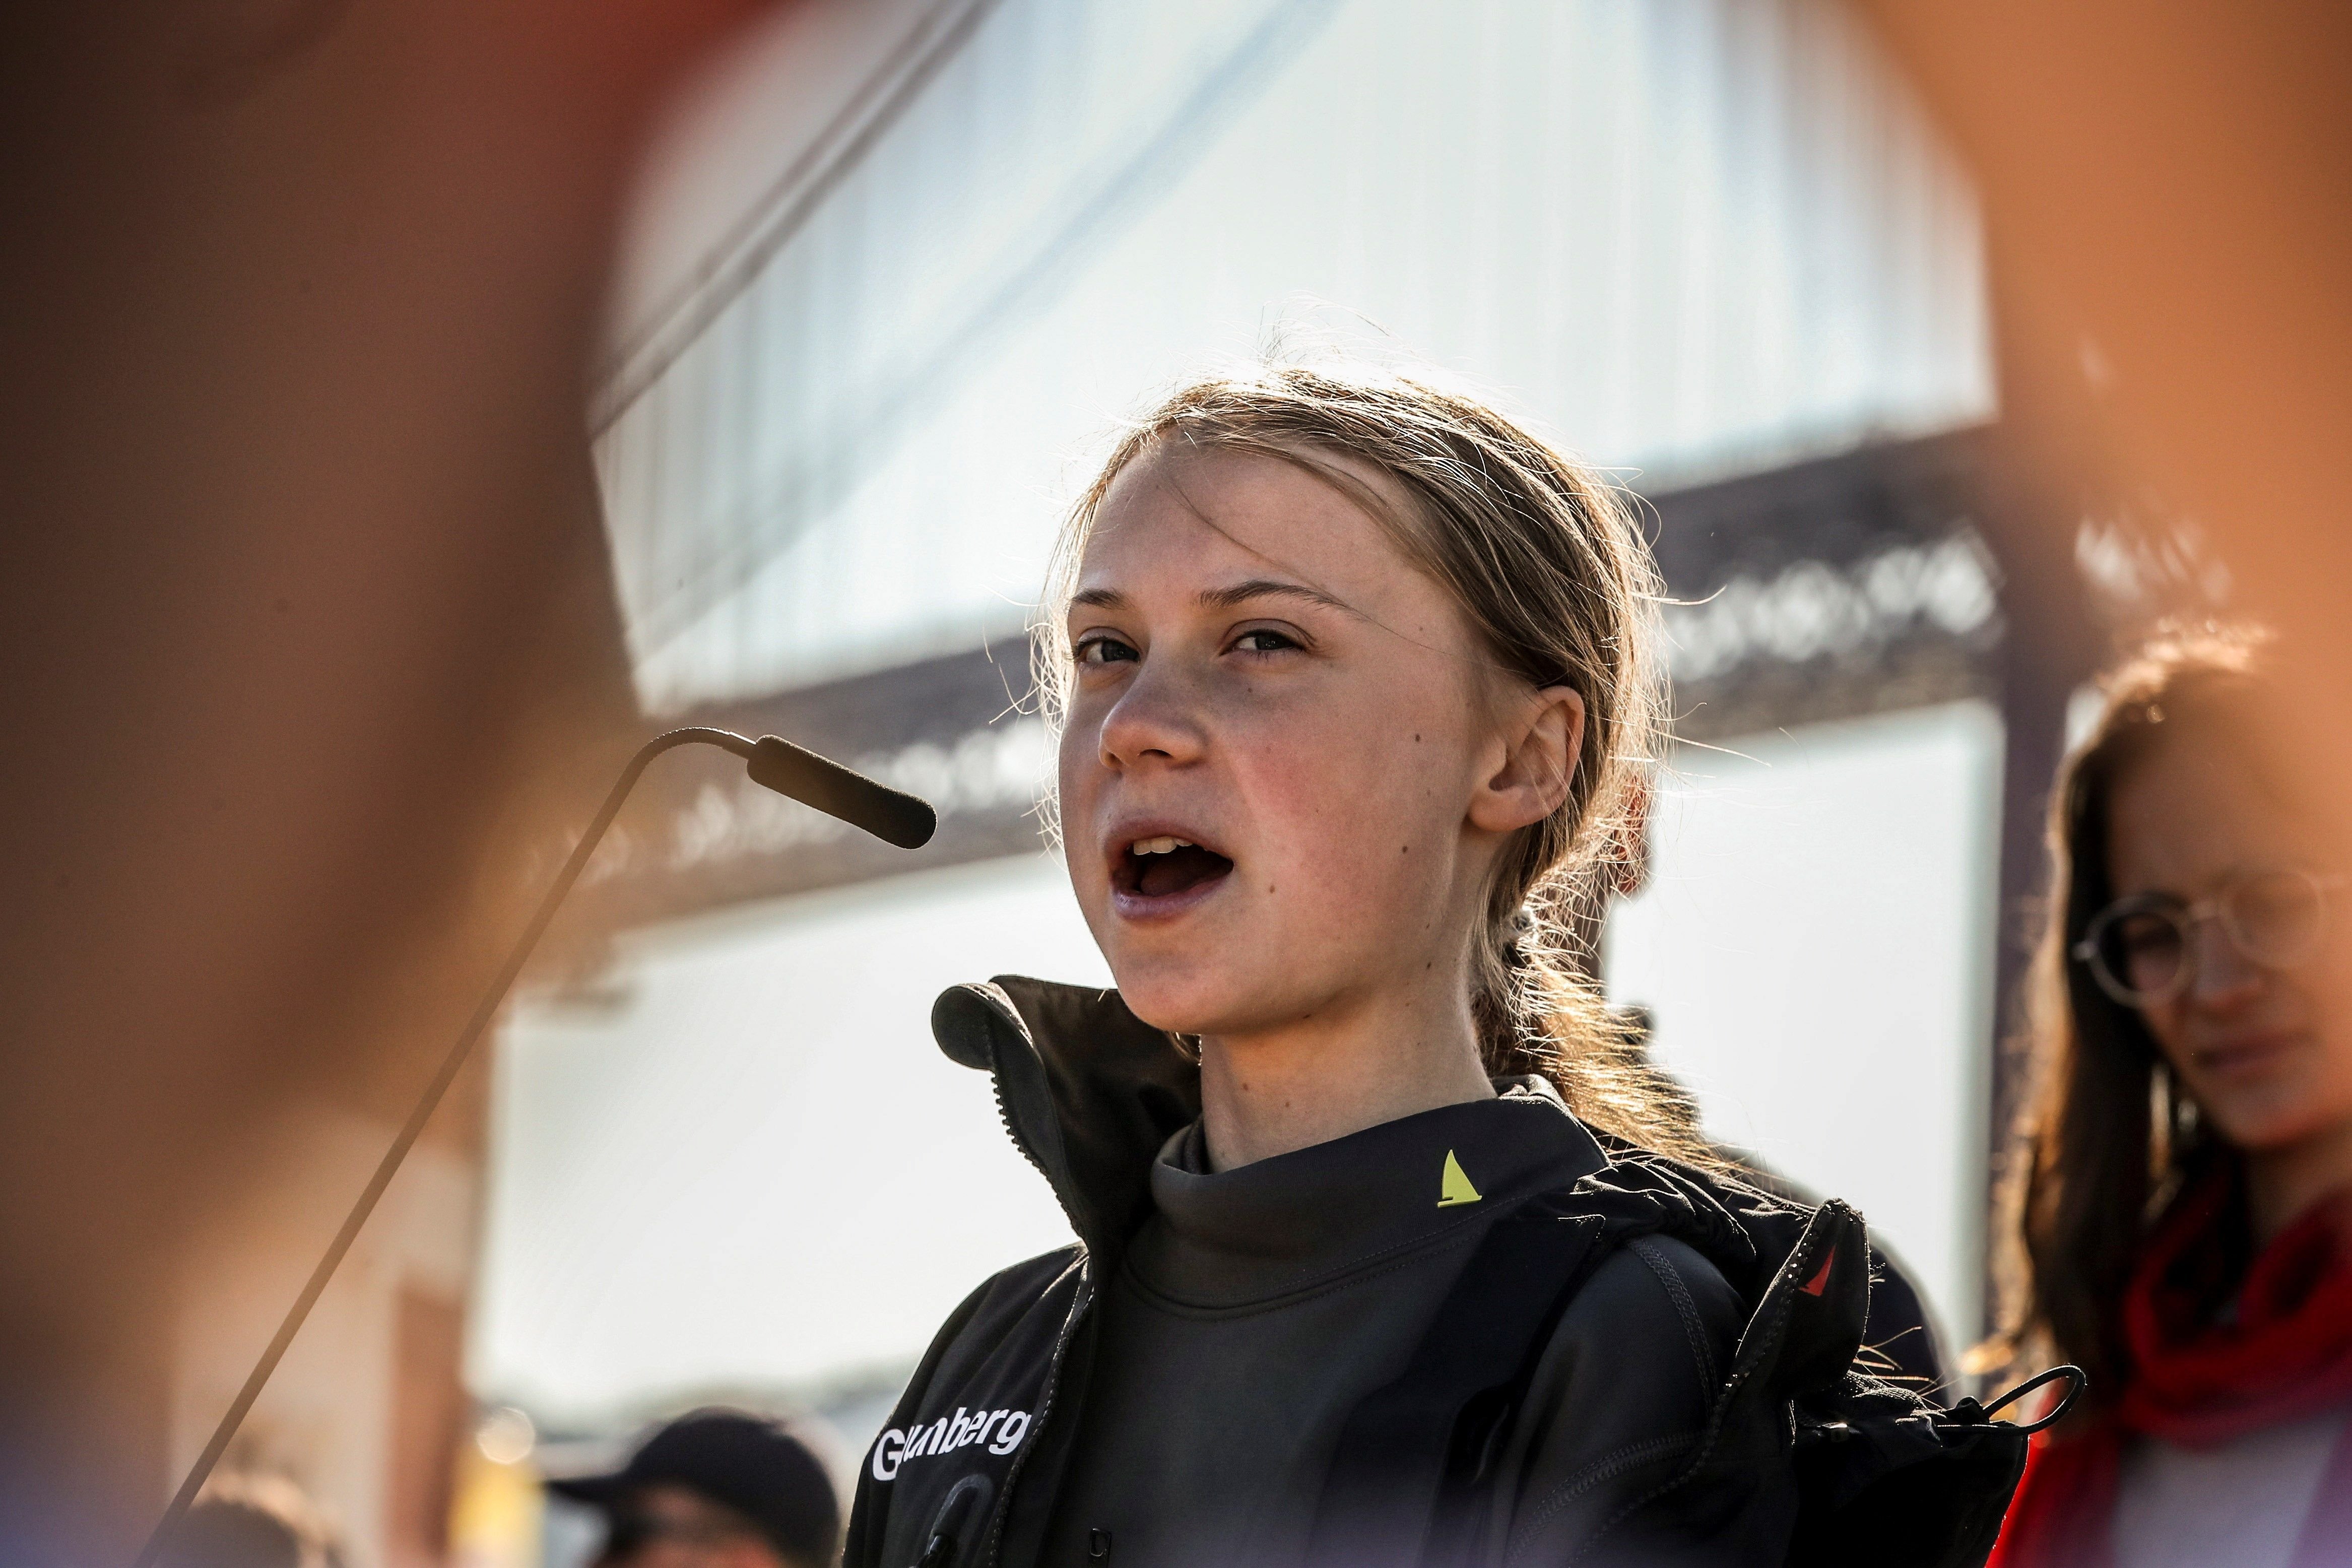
892	815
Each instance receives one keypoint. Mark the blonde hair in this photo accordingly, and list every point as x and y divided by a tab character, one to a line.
1546	563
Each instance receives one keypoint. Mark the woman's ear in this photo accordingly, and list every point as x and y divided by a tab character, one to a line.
1541	742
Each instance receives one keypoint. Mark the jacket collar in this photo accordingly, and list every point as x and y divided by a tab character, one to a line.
1089	1092
1299	1221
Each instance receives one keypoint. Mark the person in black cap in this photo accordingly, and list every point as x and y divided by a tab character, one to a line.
716	1489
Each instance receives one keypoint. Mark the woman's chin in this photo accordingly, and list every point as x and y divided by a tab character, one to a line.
2271	1119
1192	998
1175	1007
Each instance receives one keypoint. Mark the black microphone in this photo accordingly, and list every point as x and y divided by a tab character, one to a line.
890	815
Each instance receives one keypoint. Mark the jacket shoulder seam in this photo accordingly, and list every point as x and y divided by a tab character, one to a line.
1670	1278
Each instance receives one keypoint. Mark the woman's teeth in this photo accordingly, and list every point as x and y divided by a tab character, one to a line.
1160	866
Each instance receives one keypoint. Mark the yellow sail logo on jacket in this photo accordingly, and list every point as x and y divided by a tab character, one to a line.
1454	1184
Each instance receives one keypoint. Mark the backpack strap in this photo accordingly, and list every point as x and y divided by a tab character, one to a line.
1884	1479
1410	1455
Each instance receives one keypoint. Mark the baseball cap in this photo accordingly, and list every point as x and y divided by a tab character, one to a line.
753	1464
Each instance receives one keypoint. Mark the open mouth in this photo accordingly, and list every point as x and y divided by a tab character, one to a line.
1165	867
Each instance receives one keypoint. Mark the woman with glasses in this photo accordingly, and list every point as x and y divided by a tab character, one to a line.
2182	1198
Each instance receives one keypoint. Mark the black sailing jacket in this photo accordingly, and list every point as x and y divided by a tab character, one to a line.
968	1470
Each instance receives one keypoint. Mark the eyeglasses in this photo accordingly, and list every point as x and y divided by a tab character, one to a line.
2141	948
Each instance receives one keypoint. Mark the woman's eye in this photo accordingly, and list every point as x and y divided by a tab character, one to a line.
1101	648
1262	640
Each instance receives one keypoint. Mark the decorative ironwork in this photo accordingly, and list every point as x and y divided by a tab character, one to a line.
1848	585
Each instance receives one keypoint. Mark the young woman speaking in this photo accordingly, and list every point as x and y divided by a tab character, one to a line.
1356	683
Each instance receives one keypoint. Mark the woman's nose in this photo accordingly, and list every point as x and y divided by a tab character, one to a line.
2220	972
1156	719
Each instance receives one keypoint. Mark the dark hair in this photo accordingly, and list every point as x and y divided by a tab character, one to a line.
2106	1136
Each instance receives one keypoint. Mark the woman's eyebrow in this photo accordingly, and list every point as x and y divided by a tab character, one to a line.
1225	598
1239	594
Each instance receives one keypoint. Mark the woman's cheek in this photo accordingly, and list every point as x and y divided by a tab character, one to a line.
1077	778
2329	985
2331	1008
1378	847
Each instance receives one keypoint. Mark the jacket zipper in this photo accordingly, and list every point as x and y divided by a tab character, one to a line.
1004	1117
1800	1263
1045	1411
1062	1340
1012	1131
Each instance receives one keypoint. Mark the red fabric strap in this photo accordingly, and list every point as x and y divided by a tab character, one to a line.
2285	1354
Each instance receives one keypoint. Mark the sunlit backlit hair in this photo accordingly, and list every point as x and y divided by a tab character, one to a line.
1544	559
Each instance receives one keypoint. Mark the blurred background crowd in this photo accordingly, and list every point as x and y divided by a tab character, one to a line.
329	628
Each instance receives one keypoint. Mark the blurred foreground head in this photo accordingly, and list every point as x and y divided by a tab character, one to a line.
2170	246
716	1489
252	1522
299	301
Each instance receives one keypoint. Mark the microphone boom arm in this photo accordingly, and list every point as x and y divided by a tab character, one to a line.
777	763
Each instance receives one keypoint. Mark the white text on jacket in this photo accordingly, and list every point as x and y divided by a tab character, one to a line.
1001	1430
